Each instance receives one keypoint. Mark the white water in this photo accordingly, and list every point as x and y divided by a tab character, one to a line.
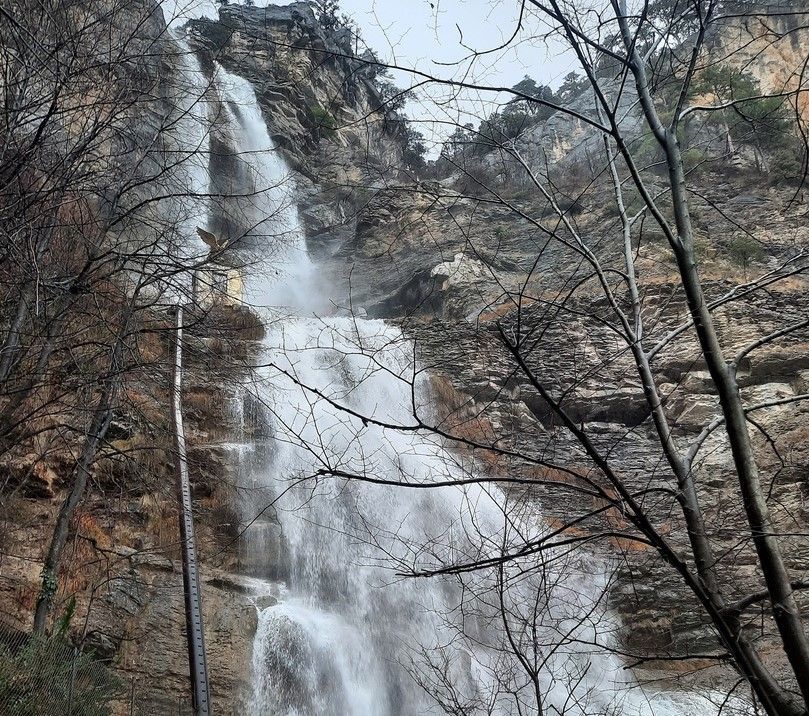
272	231
347	636
192	132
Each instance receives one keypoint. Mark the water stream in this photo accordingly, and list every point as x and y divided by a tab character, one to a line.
344	634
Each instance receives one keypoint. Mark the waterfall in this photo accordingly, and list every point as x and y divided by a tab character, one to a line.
342	633
267	214
193	149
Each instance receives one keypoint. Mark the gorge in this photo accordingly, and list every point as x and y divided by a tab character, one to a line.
395	515
345	635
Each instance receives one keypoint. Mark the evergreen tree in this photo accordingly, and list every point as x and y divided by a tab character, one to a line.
327	13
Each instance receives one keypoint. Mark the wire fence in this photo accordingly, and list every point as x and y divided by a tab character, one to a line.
80	669
49	676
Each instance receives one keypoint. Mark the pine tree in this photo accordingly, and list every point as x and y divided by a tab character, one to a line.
327	13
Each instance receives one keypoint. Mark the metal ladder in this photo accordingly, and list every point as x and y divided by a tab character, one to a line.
197	660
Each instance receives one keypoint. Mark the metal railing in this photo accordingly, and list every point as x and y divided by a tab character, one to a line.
68	673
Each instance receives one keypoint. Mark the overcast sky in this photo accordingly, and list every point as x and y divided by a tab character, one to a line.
439	37
422	33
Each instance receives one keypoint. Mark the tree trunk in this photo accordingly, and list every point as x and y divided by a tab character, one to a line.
776	576
102	416
11	345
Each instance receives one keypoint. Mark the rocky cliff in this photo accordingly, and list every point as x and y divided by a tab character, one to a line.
443	264
123	570
321	106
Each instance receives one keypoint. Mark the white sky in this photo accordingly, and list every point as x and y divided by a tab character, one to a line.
422	33
439	37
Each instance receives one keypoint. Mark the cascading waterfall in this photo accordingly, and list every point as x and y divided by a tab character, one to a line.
345	635
194	147
270	228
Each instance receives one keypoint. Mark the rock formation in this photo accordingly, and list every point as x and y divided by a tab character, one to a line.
401	250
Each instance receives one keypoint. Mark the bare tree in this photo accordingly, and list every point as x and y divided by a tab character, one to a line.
99	236
646	77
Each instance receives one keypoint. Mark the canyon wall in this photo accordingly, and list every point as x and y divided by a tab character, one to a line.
400	249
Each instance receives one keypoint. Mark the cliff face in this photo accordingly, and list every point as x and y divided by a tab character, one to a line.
770	44
319	103
442	263
309	82
454	301
403	250
123	568
765	43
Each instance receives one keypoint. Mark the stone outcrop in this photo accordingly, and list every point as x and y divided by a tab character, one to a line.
586	365
123	566
310	85
765	42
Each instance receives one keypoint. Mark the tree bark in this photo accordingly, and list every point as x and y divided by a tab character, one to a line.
102	416
776	576
11	344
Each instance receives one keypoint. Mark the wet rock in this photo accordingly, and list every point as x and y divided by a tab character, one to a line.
423	293
265	601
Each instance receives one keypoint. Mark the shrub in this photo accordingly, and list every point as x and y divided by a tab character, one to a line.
500	233
744	250
46	676
694	159
324	120
787	164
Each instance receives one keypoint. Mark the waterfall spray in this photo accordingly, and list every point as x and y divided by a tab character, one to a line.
345	634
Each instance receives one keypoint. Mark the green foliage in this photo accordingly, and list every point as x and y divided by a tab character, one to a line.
503	126
752	119
393	98
786	163
741	118
327	13
459	144
647	150
572	85
63	624
521	113
513	120
324	120
530	88
393	102
517	115
44	677
606	66
744	250
414	148
518	110
694	158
